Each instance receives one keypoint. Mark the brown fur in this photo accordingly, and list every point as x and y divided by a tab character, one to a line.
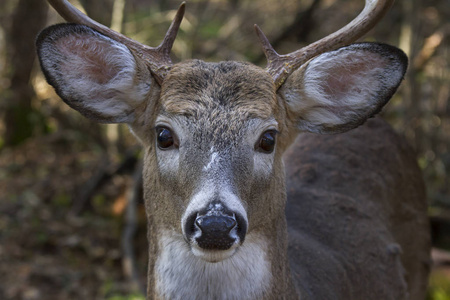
356	208
194	88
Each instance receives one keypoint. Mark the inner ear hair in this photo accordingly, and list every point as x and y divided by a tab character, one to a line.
92	73
341	89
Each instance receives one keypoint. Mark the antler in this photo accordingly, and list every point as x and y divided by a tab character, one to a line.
158	58
281	66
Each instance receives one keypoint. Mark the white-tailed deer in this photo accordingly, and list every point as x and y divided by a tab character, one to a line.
355	224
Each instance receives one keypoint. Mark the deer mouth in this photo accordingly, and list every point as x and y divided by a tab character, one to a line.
214	256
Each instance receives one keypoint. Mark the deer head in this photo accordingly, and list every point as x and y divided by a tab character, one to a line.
214	135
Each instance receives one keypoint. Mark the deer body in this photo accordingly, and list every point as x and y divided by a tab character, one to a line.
333	214
214	135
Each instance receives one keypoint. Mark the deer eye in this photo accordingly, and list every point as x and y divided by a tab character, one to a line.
266	142
164	138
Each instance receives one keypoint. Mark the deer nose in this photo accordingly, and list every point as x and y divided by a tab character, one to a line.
216	232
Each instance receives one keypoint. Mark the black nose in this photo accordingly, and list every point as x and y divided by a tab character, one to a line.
216	232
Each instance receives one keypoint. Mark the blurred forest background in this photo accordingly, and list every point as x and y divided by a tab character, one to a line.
71	219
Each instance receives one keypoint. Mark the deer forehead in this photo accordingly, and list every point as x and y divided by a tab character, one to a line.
199	89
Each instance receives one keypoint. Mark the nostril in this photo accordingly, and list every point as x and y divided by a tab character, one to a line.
189	226
216	232
216	224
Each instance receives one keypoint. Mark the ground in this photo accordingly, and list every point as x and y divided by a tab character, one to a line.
46	250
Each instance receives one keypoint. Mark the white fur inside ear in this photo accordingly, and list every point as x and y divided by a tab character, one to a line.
95	75
339	90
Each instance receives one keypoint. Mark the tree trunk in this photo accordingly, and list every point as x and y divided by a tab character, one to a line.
99	10
20	118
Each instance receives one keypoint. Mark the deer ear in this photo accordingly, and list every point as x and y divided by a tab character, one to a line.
341	89
92	73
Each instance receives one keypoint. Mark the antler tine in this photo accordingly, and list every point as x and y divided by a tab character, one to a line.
158	58
281	66
171	34
269	52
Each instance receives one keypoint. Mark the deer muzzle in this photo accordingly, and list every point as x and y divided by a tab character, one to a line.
214	233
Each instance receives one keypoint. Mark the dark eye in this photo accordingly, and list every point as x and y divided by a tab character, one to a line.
164	137
267	142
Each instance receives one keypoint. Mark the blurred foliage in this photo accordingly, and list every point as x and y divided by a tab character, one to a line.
439	288
108	291
127	297
48	160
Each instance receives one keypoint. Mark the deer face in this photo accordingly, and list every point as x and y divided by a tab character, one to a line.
213	150
214	133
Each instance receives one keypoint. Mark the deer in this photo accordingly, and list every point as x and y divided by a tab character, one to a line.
271	183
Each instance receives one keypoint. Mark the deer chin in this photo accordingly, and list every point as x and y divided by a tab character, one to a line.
214	256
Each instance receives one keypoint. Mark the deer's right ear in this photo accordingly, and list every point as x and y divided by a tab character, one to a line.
92	73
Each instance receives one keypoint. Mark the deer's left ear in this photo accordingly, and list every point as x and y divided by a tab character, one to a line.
341	89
